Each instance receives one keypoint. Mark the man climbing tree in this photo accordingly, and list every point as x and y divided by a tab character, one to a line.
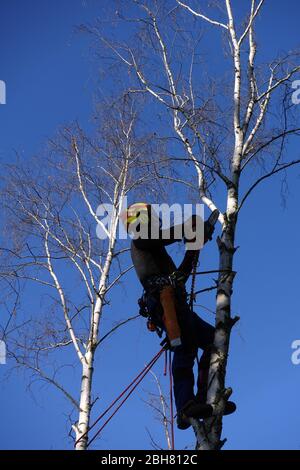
165	302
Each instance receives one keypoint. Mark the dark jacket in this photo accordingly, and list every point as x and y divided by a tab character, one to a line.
150	257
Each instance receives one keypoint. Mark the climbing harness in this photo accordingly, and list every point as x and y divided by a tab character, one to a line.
150	303
157	304
126	394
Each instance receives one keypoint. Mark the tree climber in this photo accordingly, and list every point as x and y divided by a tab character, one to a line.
165	303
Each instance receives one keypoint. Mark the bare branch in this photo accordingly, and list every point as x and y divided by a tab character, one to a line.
200	15
269	142
116	327
278	83
267	175
63	301
253	15
51	380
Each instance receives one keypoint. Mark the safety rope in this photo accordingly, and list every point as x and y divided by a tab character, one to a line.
194	273
130	389
171	403
168	368
166	363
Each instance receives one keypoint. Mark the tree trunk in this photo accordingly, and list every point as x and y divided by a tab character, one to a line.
82	426
209	432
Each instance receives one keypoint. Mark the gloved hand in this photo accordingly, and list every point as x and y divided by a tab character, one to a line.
172	346
174	343
193	223
208	231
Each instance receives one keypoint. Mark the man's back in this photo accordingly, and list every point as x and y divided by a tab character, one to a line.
150	260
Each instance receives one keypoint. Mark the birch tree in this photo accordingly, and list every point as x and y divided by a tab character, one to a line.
53	252
230	128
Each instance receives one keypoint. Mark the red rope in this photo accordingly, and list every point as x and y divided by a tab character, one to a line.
123	401
171	402
135	381
166	363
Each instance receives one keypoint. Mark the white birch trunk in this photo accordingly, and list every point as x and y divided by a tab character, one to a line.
82	426
209	433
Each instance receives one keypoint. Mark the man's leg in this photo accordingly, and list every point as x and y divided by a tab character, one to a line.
203	370
195	334
205	336
183	376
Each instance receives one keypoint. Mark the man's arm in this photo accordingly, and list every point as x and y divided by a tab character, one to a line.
176	233
190	256
165	237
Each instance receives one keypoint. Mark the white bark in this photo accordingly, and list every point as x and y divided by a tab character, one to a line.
82	426
217	394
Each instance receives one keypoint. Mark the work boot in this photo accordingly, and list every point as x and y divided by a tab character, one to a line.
193	409
230	408
203	371
197	410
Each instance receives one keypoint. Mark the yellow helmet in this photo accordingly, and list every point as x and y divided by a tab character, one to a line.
135	212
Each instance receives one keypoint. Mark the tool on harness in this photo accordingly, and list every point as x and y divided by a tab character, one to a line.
151	326
167	300
150	309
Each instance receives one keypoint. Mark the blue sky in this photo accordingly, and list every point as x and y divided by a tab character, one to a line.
50	79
